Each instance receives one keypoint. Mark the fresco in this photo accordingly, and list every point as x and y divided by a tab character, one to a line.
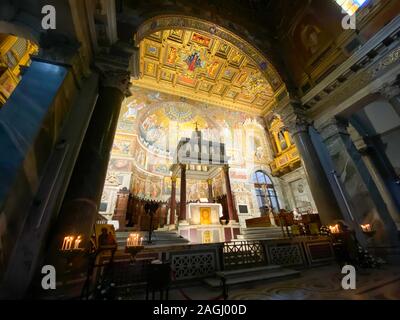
150	125
196	189
120	165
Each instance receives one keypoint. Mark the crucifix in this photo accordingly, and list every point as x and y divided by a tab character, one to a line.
196	126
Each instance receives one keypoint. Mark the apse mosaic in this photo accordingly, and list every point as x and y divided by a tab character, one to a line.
200	66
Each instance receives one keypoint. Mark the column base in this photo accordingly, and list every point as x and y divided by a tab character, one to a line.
183	223
171	227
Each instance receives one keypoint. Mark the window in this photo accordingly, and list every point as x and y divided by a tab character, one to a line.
265	192
350	6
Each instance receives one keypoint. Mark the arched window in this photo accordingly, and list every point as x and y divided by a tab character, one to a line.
265	192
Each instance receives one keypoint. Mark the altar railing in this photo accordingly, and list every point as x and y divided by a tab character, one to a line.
196	261
243	254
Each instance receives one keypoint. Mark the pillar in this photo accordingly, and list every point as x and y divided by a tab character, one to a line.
172	201
361	193
295	120
81	202
229	197
182	213
210	190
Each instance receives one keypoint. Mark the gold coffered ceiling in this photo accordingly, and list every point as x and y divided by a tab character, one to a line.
200	66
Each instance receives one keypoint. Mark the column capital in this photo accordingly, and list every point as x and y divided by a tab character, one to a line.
117	65
116	79
358	141
173	179
209	181
225	167
332	127
293	116
389	90
182	166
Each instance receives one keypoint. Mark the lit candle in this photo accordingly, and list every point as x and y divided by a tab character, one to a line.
78	240
366	227
133	240
334	229
64	243
67	243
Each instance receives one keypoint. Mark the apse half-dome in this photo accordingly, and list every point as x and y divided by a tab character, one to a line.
161	128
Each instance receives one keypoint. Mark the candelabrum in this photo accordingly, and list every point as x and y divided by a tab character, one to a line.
134	244
70	248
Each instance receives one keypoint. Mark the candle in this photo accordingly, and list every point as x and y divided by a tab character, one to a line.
67	243
78	240
334	229
366	227
133	240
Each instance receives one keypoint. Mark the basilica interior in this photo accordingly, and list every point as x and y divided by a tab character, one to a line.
199	149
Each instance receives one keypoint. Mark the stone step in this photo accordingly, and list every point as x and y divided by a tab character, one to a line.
248	276
261	236
249	270
260	230
259	233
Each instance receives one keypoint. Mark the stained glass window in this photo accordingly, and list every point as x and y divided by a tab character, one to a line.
350	6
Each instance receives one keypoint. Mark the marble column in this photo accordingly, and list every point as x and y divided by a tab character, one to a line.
182	213
229	197
172	201
81	203
366	151
294	118
361	193
210	191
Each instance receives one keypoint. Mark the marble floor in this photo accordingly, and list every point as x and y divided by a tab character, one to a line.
313	284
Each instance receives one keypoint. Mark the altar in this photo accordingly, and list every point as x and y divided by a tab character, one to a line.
201	221
202	224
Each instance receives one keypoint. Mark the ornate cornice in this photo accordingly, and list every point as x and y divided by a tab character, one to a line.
360	60
369	81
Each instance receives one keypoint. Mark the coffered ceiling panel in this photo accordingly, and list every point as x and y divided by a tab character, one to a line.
199	66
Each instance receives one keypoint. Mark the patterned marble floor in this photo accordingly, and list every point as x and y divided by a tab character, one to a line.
313	284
